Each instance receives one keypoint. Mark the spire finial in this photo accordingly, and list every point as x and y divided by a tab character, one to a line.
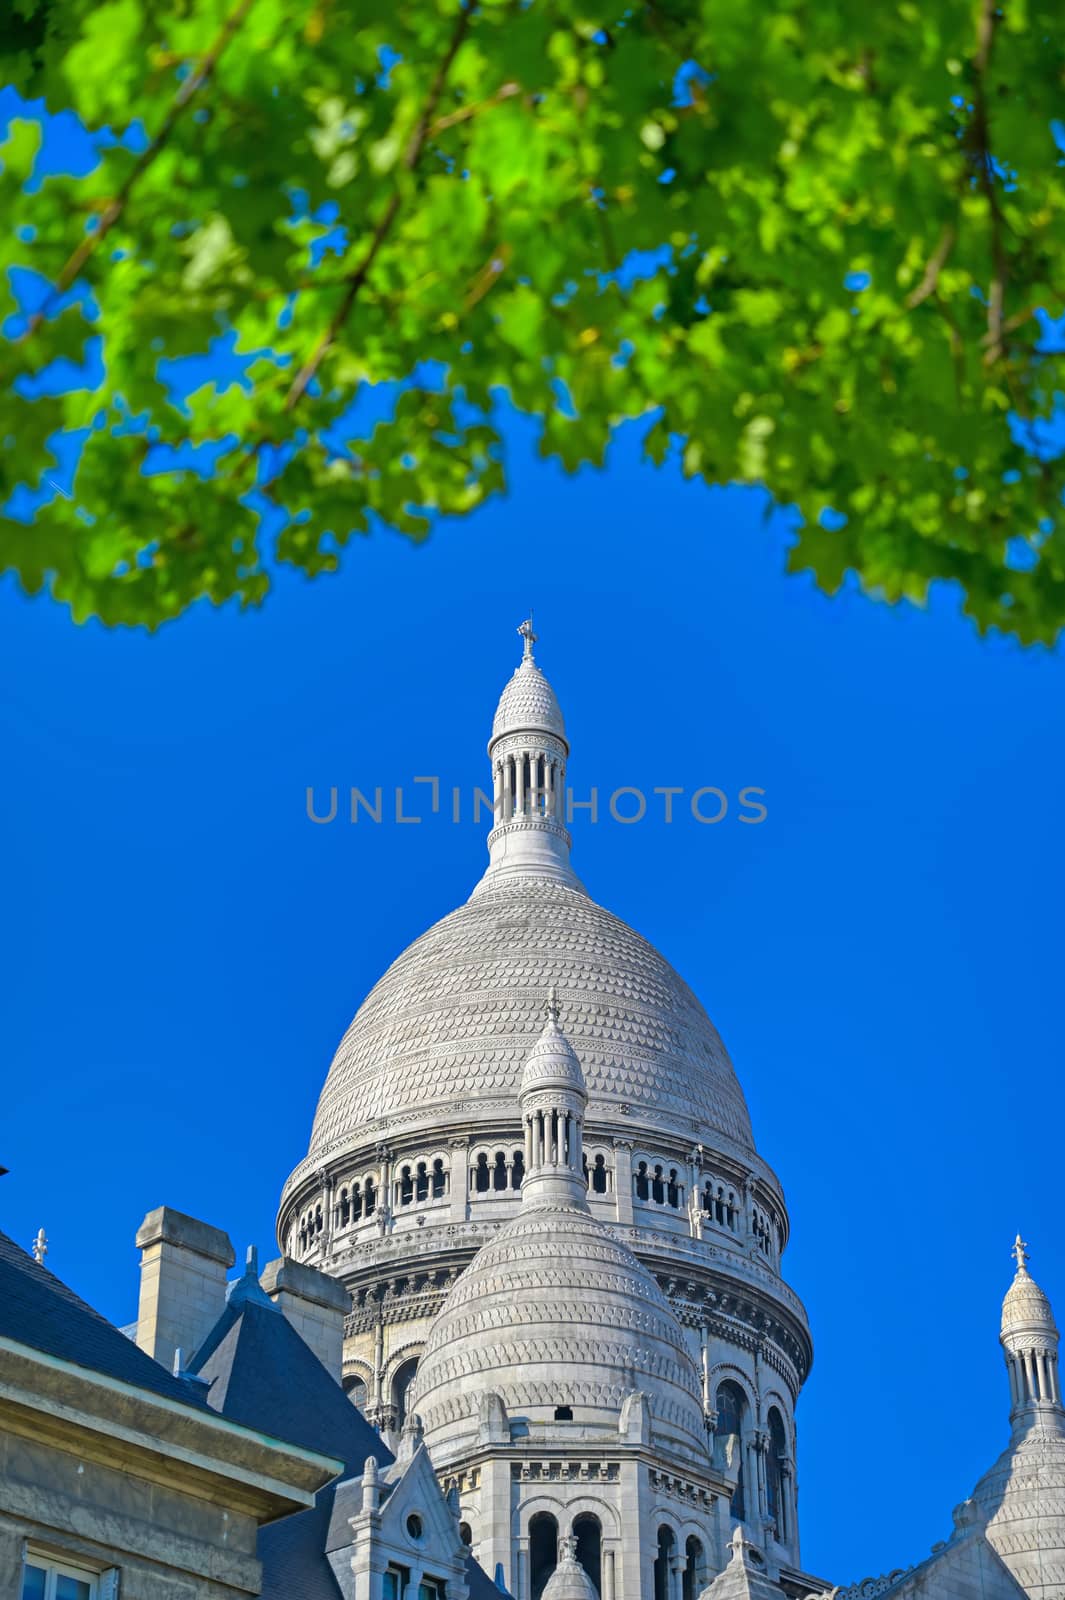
40	1247
526	631
551	1006
1020	1254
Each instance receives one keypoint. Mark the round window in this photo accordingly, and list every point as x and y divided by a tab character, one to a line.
414	1525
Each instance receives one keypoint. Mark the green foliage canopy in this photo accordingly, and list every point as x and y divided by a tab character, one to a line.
860	218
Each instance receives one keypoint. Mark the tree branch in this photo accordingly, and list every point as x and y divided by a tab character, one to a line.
996	299
360	274
936	262
116	206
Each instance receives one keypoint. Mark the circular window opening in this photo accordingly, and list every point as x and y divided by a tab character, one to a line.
465	1534
414	1525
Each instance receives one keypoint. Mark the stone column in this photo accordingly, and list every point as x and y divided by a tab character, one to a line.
326	1181
609	1592
460	1179
623	1180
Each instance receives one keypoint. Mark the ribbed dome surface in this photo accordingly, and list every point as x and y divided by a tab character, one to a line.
1026	1306
449	1026
528	701
552	1063
555	1311
1023	1498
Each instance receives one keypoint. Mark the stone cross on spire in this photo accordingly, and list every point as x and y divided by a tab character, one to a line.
1020	1254
526	631
551	1005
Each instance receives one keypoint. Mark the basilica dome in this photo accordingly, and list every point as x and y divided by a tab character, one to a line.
445	1031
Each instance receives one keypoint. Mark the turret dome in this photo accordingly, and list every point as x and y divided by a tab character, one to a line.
528	703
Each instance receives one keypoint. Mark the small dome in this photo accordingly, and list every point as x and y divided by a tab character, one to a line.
569	1581
528	704
1026	1306
552	1062
556	1312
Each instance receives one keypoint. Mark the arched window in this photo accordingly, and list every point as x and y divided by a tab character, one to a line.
482	1177
421	1182
406	1187
599	1176
658	1188
355	1390
663	1562
589	1537
369	1189
466	1534
356	1202
731	1407
673	1189
439	1179
344	1209
643	1186
774	1476
317	1219
696	1576
401	1382
500	1176
517	1169
543	1551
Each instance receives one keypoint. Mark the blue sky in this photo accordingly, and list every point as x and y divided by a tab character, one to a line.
184	948
882	955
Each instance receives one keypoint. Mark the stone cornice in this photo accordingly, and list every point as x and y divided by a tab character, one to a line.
155	1438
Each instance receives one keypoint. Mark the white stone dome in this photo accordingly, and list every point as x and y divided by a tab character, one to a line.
1026	1307
1023	1501
556	1312
528	703
444	1034
552	1062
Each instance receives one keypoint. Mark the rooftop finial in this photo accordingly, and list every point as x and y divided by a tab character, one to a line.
526	631
1020	1254
551	1005
40	1247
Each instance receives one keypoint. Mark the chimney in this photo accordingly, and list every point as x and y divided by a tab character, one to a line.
183	1282
315	1304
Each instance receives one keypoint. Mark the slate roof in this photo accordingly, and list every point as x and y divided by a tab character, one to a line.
262	1374
37	1310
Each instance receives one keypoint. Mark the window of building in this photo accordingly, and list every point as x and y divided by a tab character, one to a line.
664	1562
543	1551
400	1388
731	1407
44	1579
355	1390
696	1575
774	1478
589	1537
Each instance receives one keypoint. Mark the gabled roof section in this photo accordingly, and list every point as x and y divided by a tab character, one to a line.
39	1311
261	1373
